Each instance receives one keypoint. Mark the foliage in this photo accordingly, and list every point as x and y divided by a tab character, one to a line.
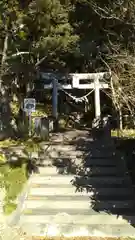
125	133
8	143
40	111
15	108
39	31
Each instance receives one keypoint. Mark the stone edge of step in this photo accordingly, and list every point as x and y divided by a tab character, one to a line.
70	230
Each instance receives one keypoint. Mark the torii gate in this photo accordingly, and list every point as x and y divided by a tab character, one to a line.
76	77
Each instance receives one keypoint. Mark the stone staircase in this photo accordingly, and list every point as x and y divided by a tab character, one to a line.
82	189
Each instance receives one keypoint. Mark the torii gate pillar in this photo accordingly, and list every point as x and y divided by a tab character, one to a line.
97	98
55	98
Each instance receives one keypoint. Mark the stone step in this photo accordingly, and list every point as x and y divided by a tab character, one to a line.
58	146
88	162
79	181
76	219
57	204
81	203
99	196
101	171
57	150
98	161
52	171
74	230
54	208
56	154
95	152
49	162
43	193
85	187
90	171
58	161
106	153
84	156
61	148
103	155
123	210
70	153
102	145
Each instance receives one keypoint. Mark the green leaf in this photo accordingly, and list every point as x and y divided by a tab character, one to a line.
22	35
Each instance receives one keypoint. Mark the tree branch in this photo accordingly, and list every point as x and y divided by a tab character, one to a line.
17	54
40	61
106	14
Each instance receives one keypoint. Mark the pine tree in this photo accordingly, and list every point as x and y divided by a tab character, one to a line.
49	30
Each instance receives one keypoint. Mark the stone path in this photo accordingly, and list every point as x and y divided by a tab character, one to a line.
82	189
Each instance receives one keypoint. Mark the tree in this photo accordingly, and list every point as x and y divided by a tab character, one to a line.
121	33
107	32
49	33
32	34
10	22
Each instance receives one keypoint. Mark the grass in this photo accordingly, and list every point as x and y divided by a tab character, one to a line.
12	180
8	143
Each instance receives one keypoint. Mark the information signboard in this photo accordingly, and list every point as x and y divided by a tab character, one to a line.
29	105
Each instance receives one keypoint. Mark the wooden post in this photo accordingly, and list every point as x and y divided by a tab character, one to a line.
97	98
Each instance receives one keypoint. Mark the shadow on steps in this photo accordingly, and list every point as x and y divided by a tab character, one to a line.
103	172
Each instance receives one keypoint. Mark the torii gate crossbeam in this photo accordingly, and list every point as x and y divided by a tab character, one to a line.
97	84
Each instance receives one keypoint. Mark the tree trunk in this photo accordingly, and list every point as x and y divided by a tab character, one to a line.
5	113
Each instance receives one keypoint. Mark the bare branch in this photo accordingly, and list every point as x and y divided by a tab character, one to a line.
40	61
100	11
104	13
17	54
